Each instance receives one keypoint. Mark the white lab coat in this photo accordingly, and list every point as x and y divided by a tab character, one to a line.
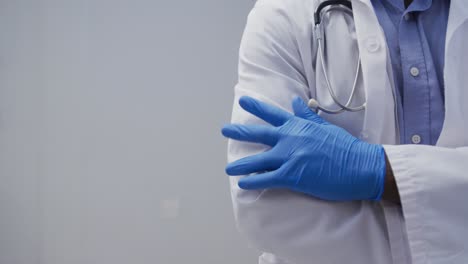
278	62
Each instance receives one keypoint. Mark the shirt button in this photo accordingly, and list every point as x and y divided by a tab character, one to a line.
416	139
414	71
372	44
407	16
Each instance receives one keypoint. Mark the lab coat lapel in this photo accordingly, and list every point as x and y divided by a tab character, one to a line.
379	122
456	78
458	15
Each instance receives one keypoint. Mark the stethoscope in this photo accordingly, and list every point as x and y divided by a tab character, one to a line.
325	7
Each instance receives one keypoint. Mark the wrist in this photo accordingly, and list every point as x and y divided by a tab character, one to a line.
390	192
377	168
371	169
380	173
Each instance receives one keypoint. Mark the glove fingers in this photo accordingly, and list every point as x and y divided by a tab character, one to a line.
251	133
264	111
257	163
260	181
303	111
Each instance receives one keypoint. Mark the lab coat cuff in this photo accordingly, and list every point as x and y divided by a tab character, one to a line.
413	200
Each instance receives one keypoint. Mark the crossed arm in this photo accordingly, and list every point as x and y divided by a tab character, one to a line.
309	155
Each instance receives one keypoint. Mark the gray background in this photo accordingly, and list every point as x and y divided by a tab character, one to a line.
110	150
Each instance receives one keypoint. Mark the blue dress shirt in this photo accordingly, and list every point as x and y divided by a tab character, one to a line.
416	41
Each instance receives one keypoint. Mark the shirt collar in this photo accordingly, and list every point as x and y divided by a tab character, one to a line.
417	5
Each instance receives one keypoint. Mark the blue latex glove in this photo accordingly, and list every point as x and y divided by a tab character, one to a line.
308	155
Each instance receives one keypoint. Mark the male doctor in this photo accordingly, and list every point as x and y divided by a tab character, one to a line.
388	184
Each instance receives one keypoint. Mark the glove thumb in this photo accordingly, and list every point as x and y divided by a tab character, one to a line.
303	111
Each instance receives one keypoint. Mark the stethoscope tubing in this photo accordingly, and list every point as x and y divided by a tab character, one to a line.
343	5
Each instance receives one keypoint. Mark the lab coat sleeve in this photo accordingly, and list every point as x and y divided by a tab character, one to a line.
295	228
433	186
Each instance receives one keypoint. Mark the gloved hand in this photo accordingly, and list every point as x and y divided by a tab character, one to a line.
308	155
